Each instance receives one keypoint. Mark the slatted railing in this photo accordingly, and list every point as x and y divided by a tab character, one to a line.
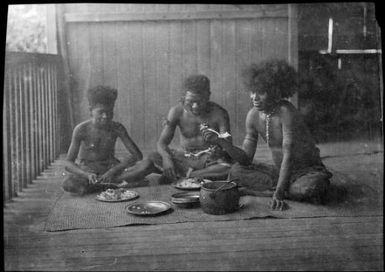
30	118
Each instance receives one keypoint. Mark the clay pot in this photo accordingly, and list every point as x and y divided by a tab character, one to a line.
219	197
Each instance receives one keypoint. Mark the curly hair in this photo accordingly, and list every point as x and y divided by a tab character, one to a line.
102	95
274	77
199	84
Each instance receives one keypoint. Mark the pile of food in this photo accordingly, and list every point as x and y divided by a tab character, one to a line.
117	195
190	183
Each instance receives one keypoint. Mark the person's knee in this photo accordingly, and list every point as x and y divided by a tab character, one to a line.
72	185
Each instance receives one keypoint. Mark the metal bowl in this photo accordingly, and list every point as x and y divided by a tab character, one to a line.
186	199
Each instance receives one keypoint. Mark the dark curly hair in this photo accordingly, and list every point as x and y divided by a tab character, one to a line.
199	84
275	77
102	95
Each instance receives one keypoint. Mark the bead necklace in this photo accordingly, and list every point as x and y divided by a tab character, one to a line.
268	116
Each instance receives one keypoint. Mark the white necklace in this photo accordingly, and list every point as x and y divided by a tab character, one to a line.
268	116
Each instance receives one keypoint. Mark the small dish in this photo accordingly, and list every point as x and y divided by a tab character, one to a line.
148	208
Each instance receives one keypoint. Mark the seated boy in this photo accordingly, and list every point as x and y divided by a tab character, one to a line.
93	143
299	173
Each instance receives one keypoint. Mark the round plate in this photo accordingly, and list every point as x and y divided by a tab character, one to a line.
181	184
127	195
148	208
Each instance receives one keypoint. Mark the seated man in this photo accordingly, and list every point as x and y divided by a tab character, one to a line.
93	143
195	157
299	173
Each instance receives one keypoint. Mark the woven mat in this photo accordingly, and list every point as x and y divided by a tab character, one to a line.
75	212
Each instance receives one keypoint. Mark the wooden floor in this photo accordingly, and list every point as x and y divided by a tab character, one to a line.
331	243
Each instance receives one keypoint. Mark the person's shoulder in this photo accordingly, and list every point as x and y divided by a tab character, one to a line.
81	129
175	111
83	126
286	107
253	113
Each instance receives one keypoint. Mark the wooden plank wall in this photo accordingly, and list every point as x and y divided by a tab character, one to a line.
145	50
30	119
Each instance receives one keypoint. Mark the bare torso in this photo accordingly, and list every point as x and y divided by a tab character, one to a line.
190	137
304	152
97	144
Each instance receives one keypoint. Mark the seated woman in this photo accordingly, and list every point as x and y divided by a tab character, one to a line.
299	173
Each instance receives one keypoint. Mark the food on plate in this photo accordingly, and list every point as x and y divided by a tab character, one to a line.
116	194
190	183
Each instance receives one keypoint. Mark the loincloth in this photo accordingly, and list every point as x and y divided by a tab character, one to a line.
196	159
97	167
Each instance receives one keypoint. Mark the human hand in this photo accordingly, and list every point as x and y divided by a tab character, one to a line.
106	177
169	169
278	203
209	135
92	178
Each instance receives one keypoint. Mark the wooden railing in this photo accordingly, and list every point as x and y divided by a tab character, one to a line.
30	118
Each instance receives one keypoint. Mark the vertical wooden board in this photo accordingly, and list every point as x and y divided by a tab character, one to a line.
189	53
216	57
16	107
96	63
150	88
56	121
13	141
35	120
229	70
293	43
162	75
83	68
28	134
203	47
23	146
125	54
108	32
73	34
40	119
244	30
176	68
45	114
49	121
203	43
7	162
50	112
20	134
32	118
132	76
275	39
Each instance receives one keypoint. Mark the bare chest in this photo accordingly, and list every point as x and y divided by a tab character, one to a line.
190	126
270	129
